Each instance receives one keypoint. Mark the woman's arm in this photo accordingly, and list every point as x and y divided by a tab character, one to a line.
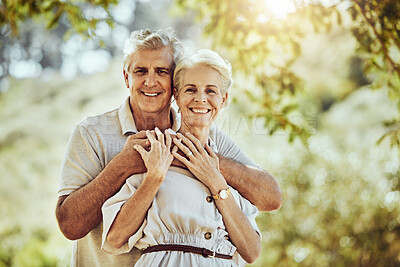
204	165
239	228
133	212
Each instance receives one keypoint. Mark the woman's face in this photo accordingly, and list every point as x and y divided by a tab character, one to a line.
200	98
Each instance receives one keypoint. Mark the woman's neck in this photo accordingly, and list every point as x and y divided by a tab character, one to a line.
201	133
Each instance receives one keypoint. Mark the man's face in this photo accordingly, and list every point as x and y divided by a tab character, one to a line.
149	79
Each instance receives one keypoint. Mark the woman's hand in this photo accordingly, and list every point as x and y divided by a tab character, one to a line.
159	158
203	163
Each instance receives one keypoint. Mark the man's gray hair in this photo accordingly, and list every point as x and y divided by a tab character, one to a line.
151	39
208	58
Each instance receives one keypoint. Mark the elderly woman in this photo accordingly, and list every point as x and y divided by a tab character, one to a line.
188	215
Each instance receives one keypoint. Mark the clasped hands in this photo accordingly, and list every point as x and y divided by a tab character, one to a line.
163	148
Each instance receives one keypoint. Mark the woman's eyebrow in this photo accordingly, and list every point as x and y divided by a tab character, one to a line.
189	84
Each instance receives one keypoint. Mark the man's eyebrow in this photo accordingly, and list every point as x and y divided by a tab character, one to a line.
164	68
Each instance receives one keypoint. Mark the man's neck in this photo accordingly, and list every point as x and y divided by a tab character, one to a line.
149	121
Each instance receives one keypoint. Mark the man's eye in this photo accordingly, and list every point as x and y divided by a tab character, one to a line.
139	71
163	72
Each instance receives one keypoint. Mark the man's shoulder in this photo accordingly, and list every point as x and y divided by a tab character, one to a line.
106	119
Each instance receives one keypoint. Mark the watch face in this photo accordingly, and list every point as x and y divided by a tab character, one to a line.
223	194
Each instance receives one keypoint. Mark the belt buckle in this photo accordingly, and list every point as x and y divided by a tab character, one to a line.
208	253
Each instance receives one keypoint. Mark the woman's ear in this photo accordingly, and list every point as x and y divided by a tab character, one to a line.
175	93
225	99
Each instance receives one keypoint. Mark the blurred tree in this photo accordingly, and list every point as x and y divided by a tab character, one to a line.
263	42
13	13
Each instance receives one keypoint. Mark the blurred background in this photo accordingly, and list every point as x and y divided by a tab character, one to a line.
315	102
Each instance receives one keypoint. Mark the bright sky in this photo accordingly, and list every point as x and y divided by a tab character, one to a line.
280	8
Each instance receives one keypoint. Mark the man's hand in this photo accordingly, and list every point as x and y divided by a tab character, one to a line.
129	153
159	158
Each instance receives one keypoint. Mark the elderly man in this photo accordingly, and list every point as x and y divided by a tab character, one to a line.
100	154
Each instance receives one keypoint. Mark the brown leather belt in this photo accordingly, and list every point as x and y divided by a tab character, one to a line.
201	251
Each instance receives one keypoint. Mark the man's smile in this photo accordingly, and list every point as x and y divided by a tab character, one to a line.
150	94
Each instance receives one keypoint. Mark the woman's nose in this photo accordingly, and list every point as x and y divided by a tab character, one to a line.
200	97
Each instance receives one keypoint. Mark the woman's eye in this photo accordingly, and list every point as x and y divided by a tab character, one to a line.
189	90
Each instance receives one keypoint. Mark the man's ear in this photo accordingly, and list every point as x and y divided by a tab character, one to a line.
126	79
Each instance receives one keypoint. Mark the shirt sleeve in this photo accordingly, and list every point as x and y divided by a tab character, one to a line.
110	210
227	148
81	162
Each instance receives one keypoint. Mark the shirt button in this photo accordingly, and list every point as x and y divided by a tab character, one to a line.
207	235
209	199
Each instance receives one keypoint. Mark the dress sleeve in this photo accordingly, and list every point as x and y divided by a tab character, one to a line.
227	148
81	162
110	210
251	212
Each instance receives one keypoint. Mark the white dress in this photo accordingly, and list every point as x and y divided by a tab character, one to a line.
181	213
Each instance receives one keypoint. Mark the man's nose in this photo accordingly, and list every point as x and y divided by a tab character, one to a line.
151	79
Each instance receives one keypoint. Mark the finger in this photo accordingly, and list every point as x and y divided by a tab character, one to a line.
189	144
174	149
210	151
160	136
143	143
184	148
180	158
195	141
140	150
151	136
139	135
168	140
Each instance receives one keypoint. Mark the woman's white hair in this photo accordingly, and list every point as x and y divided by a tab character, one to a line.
208	58
151	39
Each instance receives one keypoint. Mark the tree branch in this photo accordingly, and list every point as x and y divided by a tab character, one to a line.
393	65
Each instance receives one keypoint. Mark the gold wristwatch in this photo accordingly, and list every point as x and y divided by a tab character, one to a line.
223	194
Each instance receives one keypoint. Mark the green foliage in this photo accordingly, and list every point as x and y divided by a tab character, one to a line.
265	48
376	26
340	193
13	13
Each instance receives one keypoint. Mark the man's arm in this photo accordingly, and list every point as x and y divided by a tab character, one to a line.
79	212
244	175
254	184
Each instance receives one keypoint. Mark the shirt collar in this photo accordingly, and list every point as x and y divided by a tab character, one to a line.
127	122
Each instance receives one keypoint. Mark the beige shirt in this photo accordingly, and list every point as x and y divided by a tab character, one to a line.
92	145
